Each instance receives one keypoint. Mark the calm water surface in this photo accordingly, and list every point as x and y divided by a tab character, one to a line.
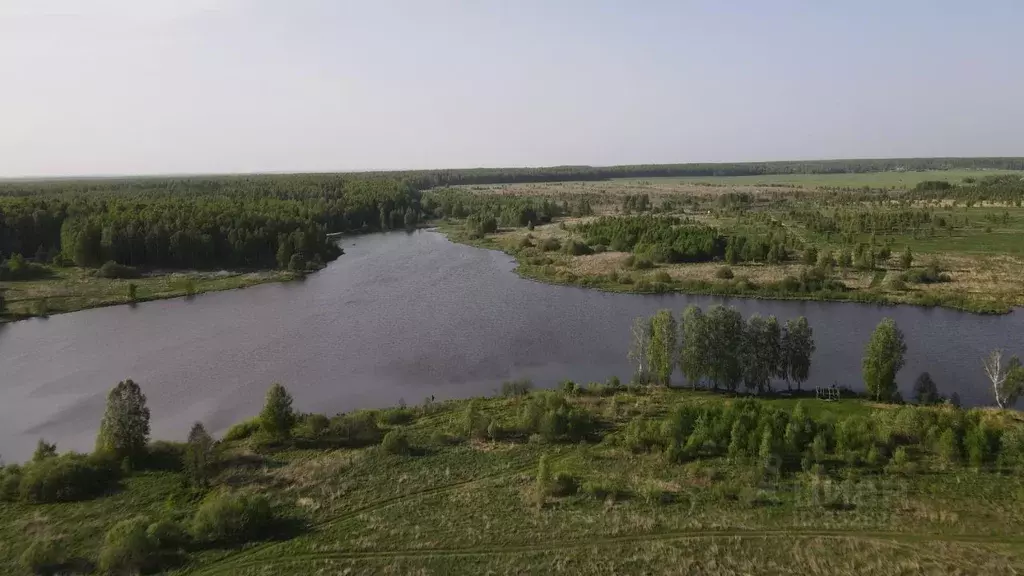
400	317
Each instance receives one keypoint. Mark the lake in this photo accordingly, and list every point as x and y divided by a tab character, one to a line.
402	316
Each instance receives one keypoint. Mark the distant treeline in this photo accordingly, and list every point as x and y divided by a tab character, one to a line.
282	220
430	178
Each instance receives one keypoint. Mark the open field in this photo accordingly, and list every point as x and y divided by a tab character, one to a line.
965	241
620	494
894	180
70	289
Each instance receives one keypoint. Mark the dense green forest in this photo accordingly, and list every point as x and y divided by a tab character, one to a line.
267	221
239	222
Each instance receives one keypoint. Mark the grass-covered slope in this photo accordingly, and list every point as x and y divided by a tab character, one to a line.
600	479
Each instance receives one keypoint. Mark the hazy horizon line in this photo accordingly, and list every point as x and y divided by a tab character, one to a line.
107	176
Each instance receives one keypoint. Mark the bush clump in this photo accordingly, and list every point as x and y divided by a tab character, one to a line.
113	270
163	455
66	478
396	442
930	274
550	245
563	484
553	418
576	248
313	425
243	430
17	268
397	416
356	429
520	387
129	549
43	556
605	489
226	517
10	482
643	263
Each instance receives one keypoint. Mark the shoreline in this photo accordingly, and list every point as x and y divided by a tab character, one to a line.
453	232
205	283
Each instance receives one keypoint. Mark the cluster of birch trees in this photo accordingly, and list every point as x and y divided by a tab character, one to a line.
720	349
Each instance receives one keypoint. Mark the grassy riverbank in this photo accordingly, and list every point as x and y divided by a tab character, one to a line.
63	290
612	272
794	237
633	479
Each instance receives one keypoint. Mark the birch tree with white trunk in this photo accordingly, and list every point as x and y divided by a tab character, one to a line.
1007	381
639	348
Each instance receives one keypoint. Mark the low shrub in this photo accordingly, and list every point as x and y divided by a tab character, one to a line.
604	489
163	455
600	389
789	284
519	387
111	269
129	549
495	431
17	268
930	274
67	478
10	482
576	248
397	416
167	534
395	442
313	426
563	484
643	435
44	556
226	517
474	423
549	415
355	429
439	438
550	244
643	264
243	430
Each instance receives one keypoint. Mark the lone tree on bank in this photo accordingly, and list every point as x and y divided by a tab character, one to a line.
883	358
124	430
199	457
662	351
639	349
277	416
1008	381
694	353
925	390
797	348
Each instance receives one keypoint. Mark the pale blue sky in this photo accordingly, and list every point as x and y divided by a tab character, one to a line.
148	86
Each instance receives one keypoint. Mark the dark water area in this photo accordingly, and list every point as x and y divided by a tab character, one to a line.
402	316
